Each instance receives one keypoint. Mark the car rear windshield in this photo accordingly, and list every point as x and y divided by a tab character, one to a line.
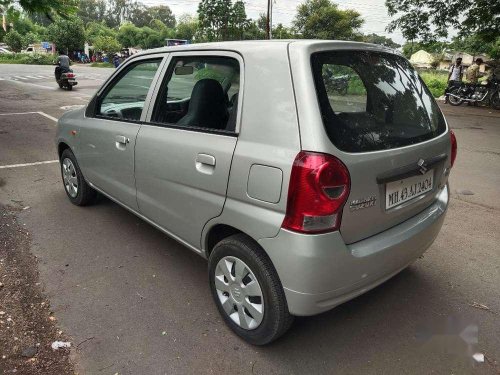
373	101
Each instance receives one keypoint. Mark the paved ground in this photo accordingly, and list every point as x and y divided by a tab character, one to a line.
139	303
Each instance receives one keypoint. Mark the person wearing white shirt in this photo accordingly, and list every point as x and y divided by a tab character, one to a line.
455	77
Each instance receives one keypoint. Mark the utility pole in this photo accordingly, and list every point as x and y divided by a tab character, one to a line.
269	26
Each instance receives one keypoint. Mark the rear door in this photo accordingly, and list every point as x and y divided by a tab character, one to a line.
375	114
185	148
108	137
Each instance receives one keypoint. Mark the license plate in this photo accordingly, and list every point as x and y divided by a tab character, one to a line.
401	191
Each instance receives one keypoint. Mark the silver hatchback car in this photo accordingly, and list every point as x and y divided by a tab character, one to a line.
306	172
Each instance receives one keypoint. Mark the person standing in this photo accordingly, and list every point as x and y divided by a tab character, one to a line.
455	77
473	72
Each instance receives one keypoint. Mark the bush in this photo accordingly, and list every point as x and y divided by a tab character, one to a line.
14	40
27	58
102	65
435	81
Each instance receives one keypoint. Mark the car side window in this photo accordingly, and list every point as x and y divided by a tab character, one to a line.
199	92
125	97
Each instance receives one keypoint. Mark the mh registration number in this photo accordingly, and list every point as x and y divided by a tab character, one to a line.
401	191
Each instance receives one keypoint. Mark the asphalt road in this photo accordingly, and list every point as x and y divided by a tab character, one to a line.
136	302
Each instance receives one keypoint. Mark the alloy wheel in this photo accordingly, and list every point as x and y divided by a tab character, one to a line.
69	177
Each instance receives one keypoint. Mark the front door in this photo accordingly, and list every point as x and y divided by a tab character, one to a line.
108	139
184	150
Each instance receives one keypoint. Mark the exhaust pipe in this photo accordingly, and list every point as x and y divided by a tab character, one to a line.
463	99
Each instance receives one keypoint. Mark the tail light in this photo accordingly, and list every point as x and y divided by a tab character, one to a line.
319	187
453	139
70	75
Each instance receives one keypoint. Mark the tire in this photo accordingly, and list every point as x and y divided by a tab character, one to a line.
240	252
60	84
495	100
69	87
453	100
80	194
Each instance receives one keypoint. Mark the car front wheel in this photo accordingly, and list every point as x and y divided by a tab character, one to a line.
247	290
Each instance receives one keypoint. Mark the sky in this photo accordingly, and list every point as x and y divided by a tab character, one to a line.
373	12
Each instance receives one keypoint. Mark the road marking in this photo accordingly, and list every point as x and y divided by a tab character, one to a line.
28	164
30	113
74	106
20	77
34	84
48	116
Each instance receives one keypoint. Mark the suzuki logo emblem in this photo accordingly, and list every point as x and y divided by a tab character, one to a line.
421	164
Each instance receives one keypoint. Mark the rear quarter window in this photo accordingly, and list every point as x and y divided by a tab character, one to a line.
373	101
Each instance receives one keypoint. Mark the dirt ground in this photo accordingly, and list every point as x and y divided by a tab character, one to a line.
27	326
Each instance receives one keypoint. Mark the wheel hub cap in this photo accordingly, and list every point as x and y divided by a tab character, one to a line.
239	292
69	177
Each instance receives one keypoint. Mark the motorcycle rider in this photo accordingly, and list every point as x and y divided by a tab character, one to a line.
455	77
62	63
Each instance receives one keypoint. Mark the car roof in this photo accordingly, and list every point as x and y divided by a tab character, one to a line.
248	46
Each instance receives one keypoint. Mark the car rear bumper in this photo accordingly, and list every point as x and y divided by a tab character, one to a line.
319	272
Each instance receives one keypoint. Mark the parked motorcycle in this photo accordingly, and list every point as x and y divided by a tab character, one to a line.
488	93
66	79
339	84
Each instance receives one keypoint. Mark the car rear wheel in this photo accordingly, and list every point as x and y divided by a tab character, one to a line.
77	189
247	290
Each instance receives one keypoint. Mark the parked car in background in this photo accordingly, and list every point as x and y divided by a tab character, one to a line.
300	195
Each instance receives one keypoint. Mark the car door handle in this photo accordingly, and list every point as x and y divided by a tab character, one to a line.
205	159
122	139
205	163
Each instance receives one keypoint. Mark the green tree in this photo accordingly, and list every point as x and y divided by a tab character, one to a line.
122	10
67	34
129	35
380	39
31	38
149	38
49	8
431	19
107	45
282	32
15	41
474	45
98	29
92	10
214	19
187	27
253	32
164	14
238	21
322	19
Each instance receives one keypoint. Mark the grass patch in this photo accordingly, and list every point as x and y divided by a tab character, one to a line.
27	58
436	81
102	65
